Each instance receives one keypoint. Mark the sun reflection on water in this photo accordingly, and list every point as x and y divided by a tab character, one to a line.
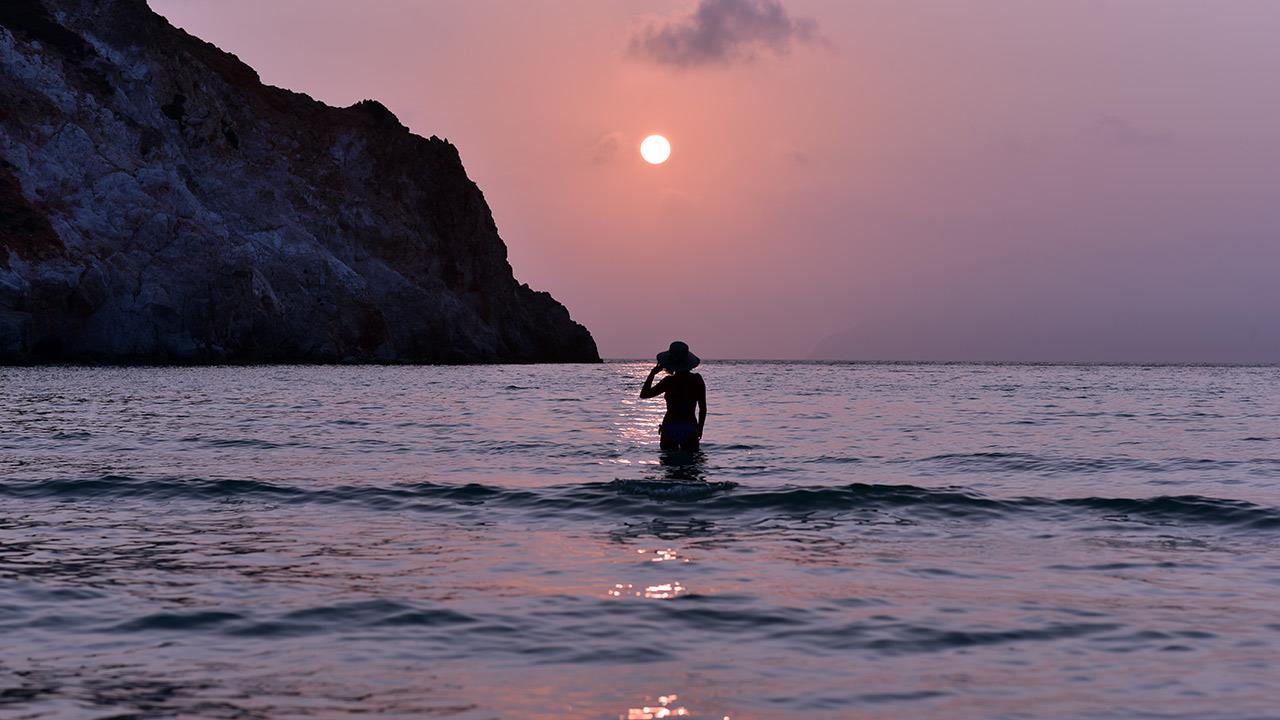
665	591
664	555
637	424
661	591
664	709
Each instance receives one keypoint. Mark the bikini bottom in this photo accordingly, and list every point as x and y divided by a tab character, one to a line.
679	434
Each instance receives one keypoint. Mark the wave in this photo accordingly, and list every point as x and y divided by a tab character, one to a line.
1024	463
568	630
368	613
668	498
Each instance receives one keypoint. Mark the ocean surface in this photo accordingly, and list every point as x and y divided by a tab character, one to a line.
855	541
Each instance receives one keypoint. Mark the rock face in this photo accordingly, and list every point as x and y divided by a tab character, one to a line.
159	204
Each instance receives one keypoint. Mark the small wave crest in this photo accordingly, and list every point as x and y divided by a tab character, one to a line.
671	490
1028	463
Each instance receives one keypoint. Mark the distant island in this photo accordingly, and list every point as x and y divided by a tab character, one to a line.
159	204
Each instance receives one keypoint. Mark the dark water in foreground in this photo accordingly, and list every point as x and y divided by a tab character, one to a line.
860	541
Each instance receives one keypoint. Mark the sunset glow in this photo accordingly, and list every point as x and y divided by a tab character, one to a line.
816	189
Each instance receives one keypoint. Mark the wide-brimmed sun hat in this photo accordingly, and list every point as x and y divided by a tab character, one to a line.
678	358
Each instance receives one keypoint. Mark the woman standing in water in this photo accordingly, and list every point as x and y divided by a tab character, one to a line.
684	389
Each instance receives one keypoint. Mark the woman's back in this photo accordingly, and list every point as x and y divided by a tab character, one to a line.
683	390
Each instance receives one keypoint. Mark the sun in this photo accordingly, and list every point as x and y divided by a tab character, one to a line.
655	149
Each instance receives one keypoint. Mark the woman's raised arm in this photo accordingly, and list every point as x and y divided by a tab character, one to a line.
648	390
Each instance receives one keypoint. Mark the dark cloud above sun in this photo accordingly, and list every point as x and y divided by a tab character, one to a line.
721	32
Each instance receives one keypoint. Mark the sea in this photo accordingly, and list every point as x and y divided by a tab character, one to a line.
853	541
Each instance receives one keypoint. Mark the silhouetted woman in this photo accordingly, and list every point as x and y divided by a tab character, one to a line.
684	390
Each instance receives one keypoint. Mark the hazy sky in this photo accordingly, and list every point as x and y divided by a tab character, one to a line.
989	179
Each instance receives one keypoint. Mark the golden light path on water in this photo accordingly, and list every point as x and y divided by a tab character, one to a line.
636	427
637	424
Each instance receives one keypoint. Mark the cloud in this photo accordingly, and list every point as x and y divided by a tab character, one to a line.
720	32
605	148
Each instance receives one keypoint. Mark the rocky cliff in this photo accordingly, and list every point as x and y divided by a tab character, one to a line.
158	203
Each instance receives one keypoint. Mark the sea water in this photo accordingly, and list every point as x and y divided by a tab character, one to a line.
855	541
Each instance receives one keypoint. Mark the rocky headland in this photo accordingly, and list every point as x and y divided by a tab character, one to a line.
159	204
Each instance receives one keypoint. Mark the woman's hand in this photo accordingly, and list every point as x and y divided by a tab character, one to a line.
647	391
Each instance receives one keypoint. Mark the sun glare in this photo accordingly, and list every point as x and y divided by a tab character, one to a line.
655	149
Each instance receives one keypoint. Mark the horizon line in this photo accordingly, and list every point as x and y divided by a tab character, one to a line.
1115	363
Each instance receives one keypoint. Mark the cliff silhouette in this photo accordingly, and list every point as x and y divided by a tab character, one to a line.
159	204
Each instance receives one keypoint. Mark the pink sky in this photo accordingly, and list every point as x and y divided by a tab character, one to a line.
987	180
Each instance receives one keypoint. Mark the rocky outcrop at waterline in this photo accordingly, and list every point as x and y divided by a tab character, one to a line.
158	203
